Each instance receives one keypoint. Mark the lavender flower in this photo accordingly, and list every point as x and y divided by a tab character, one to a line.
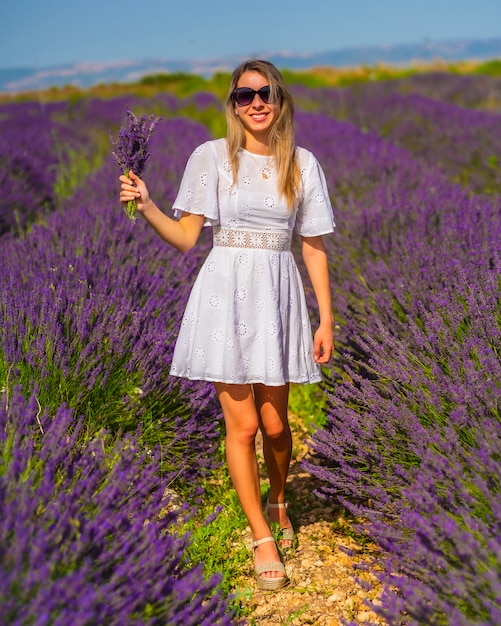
28	164
84	536
412	437
86	315
132	148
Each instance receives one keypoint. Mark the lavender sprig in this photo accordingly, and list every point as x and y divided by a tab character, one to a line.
132	148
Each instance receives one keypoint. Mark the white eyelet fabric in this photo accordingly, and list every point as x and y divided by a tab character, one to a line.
246	320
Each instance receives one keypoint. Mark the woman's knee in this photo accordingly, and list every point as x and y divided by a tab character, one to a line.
243	433
240	414
276	429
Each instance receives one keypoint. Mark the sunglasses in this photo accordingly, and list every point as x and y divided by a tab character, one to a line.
244	96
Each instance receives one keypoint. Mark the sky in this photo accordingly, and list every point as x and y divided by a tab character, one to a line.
46	33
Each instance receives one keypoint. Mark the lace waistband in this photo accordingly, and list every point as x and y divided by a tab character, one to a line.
264	239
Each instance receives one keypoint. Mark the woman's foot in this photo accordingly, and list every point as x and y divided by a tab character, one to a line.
269	570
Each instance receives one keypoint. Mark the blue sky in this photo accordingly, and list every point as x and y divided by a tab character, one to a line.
57	32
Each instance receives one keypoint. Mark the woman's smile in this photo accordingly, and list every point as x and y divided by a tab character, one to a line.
258	117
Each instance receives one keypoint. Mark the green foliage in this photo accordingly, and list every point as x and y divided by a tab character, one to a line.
345	525
308	79
490	68
219	83
308	403
183	85
180	83
211	117
114	402
295	615
74	167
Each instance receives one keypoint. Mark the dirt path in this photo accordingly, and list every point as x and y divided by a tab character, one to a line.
322	590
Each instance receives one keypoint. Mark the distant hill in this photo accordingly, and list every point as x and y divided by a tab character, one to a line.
87	74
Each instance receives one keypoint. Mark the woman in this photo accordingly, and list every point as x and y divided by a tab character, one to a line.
246	326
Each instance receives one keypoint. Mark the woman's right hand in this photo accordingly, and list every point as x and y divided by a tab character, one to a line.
134	188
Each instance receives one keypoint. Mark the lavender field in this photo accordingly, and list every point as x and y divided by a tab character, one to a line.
93	429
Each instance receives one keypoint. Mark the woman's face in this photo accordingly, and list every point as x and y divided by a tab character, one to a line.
256	117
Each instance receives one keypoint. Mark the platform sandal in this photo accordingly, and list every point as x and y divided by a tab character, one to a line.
269	584
286	534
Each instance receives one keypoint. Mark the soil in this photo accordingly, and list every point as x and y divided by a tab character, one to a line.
323	590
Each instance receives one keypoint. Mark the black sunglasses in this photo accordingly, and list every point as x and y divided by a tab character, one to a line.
244	96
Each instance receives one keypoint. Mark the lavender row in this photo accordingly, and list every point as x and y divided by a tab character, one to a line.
465	143
91	318
45	146
477	91
27	164
85	536
90	305
413	434
36	141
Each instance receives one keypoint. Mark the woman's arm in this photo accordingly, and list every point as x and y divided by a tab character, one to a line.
315	260
183	234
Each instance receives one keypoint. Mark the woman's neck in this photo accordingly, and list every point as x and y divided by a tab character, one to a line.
257	146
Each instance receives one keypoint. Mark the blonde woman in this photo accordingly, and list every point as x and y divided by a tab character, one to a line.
246	327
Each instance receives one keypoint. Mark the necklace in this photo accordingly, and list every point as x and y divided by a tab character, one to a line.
266	170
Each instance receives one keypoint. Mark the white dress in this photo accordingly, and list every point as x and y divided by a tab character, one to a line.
246	319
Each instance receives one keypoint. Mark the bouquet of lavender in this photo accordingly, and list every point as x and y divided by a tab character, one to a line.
132	148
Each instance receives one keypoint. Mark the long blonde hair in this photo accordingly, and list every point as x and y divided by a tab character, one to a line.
281	133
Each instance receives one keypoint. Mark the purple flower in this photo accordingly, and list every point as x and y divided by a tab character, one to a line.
84	535
132	147
412	436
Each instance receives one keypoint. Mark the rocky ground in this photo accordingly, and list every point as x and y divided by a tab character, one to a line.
323	590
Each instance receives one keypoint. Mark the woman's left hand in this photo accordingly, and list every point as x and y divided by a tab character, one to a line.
323	344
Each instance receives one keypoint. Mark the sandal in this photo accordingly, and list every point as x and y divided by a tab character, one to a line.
286	534
269	584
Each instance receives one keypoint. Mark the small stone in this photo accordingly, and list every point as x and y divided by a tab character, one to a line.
344	559
337	596
261	610
364	616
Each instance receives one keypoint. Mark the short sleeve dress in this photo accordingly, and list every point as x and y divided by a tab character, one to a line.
246	319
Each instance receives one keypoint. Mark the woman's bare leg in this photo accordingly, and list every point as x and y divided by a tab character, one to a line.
272	404
242	422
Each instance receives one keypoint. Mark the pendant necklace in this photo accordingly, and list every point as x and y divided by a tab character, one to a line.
266	170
